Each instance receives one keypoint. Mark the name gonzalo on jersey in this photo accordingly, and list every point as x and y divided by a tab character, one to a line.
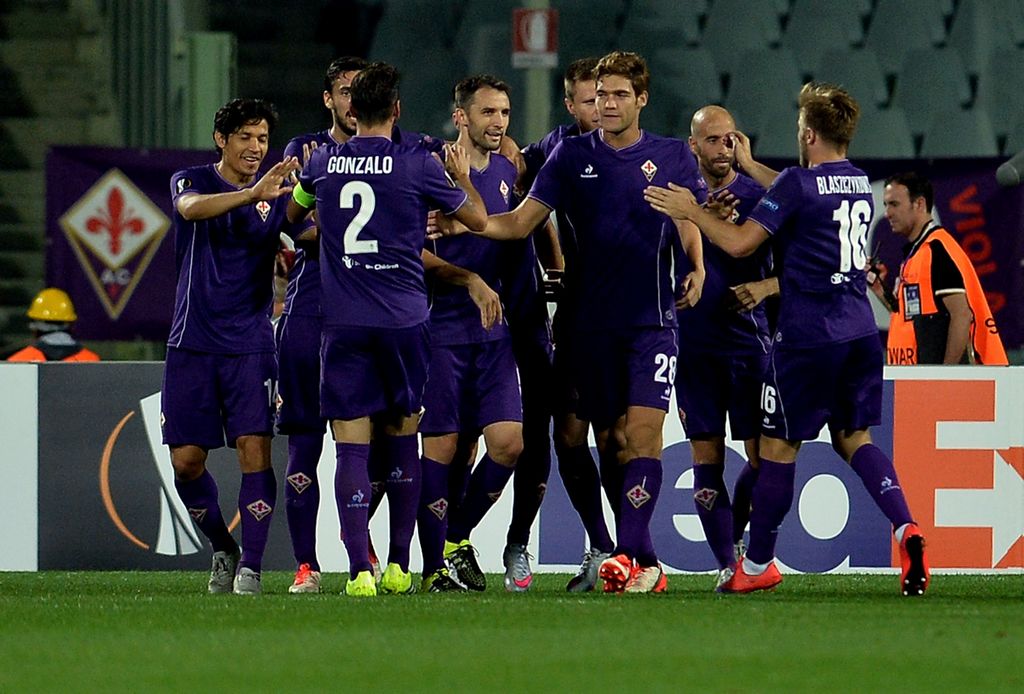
360	165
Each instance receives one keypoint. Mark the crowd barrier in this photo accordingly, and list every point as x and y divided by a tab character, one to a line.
85	483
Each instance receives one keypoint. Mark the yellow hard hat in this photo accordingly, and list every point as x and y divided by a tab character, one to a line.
52	305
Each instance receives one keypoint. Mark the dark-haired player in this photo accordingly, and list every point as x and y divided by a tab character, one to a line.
623	344
220	368
826	359
371	196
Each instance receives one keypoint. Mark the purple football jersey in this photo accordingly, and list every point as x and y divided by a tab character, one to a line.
818	219
712	325
624	277
225	269
454	318
303	295
372	197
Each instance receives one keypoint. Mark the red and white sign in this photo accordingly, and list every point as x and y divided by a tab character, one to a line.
534	38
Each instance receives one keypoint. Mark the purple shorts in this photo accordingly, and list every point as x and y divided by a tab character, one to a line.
370	371
209	397
709	385
298	375
470	387
617	369
839	385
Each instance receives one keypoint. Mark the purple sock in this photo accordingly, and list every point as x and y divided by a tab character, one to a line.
582	484
302	495
611	477
432	515
485	487
403	489
770	502
256	498
711	499
202	501
877	473
379	469
458	481
641	485
741	495
352	492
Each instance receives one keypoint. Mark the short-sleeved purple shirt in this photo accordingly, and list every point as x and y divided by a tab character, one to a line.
818	219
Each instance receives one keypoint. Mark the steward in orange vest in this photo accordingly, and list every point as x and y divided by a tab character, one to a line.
941	314
52	314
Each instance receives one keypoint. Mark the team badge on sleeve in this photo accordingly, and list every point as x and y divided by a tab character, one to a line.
649	170
263	207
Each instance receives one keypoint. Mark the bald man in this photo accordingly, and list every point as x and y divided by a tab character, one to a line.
723	345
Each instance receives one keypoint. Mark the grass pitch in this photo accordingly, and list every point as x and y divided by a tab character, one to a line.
160	631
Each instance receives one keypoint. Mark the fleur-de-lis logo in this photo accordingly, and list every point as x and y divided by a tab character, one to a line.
115	220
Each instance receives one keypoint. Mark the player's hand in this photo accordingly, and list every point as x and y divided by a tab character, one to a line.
456	161
487	300
271	186
723	204
675	201
748	295
440	225
744	155
693	286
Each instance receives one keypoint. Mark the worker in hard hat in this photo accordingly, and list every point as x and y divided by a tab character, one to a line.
51	314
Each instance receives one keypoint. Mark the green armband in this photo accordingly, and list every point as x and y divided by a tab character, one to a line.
302	197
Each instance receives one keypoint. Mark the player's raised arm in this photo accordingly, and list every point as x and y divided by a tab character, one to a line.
472	213
678	202
744	157
197	206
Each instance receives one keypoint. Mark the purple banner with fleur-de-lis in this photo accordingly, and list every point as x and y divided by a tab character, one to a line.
109	238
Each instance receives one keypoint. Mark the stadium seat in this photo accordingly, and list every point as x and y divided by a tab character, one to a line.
931	79
776	137
766	79
1001	88
733	25
900	26
1015	140
882	134
960	133
815	27
979	29
588	27
692	70
654	24
857	71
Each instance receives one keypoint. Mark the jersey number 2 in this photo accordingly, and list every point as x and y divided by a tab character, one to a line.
853	234
368	202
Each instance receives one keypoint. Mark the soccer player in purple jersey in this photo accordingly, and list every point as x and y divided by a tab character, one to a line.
575	463
722	353
623	331
220	368
826	359
298	350
473	387
371	196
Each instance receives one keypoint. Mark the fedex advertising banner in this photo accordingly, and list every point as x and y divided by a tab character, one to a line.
110	246
106	496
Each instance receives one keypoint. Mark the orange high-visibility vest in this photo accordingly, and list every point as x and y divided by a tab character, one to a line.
34	354
914	292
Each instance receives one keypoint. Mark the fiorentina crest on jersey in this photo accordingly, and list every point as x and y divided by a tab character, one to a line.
114	230
649	170
504	189
263	207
